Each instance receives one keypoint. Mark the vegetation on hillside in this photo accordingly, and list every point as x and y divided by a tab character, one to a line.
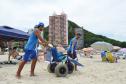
89	37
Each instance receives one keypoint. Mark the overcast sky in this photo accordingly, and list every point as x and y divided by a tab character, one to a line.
105	17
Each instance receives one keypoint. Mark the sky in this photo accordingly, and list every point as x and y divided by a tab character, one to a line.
103	17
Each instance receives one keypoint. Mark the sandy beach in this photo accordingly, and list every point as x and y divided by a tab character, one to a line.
93	72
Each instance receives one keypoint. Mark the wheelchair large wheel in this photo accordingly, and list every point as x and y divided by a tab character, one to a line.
51	67
71	67
61	70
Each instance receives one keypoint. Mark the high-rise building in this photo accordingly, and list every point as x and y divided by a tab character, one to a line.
58	29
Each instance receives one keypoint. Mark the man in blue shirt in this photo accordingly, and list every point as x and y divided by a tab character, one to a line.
30	49
71	51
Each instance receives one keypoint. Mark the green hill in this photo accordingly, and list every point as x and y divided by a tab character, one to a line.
89	37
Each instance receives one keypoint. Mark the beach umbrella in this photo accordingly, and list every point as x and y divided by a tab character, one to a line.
123	50
87	49
100	46
116	48
9	33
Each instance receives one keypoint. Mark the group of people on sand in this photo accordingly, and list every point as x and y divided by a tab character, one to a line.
107	56
30	48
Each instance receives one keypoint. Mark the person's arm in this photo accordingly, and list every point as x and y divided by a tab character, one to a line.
72	45
41	43
72	49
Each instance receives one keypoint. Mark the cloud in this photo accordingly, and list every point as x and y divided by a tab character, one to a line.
98	16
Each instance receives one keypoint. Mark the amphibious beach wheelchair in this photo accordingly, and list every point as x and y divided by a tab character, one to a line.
61	64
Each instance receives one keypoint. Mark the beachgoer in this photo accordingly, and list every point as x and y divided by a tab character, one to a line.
14	54
30	49
71	51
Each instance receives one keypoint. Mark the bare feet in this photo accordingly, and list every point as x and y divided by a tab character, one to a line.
18	76
76	69
32	74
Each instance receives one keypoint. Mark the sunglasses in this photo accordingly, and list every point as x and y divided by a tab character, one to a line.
78	34
41	27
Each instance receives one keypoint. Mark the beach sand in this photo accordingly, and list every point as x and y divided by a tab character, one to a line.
93	72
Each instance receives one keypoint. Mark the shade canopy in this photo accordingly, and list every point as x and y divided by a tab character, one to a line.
102	46
123	50
87	49
8	33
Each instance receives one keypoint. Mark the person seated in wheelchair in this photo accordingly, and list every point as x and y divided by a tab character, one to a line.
58	53
71	51
60	64
51	53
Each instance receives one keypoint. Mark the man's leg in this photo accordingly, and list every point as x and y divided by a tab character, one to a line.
33	67
75	58
75	67
21	65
